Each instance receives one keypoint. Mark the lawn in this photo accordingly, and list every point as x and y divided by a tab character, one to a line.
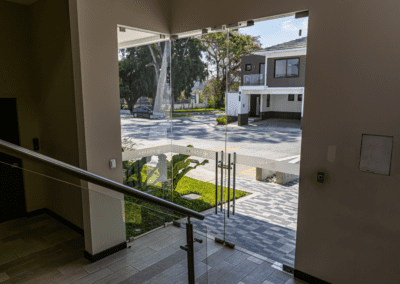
147	217
181	115
194	110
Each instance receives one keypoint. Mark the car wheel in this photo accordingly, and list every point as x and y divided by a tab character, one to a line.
135	115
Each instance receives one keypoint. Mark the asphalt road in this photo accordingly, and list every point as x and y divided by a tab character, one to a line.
268	139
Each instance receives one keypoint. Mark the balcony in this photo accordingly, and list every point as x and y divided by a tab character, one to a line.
253	80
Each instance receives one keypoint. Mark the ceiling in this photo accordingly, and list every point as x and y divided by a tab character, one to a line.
24	2
132	37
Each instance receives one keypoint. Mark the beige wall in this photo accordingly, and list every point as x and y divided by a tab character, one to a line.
36	68
15	82
54	84
348	228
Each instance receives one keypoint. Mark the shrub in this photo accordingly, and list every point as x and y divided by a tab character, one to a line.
211	104
221	120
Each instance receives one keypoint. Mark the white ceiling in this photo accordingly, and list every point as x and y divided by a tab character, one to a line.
130	35
24	2
134	37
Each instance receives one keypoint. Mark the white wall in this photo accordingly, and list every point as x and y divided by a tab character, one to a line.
244	104
232	104
281	103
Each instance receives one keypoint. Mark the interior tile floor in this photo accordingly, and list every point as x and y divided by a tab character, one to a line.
42	250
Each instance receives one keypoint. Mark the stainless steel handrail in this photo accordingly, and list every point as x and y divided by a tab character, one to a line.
22	153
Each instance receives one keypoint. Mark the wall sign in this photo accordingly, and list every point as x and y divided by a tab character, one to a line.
376	154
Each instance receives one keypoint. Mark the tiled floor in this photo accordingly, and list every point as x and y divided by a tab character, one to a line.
265	222
41	250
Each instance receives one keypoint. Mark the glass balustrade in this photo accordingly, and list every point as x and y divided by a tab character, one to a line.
253	80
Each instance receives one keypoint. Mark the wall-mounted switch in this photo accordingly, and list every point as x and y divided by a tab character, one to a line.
113	164
35	144
320	177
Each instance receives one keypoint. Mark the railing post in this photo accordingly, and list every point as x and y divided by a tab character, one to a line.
190	252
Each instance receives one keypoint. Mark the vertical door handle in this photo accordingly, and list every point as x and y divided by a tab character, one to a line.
229	183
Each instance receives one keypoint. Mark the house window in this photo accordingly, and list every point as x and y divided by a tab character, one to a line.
299	98
268	100
287	68
248	67
291	98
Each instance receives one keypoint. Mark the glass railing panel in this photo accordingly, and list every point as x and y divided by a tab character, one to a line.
154	233
253	80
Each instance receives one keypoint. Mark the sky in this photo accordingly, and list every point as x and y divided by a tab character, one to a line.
277	31
272	32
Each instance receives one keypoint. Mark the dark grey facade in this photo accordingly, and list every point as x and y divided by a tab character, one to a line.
286	82
254	61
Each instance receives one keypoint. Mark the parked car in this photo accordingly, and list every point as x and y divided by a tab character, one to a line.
146	112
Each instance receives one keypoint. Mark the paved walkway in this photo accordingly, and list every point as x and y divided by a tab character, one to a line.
265	222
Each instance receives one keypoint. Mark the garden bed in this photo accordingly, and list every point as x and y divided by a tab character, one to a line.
146	217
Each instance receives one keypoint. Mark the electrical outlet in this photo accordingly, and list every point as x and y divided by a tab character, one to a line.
320	177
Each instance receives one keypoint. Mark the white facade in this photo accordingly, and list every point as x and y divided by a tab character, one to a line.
278	95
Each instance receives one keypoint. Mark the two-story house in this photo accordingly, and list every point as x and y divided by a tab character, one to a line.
272	84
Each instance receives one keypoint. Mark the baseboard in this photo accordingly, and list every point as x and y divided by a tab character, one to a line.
308	278
57	217
104	253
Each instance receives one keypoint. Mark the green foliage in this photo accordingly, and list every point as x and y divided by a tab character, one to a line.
147	216
186	65
227	62
193	110
135	79
132	173
180	166
221	120
212	104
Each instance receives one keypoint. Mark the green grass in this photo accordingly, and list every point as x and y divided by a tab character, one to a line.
144	218
194	110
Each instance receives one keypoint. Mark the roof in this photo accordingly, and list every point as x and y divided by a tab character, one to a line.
294	44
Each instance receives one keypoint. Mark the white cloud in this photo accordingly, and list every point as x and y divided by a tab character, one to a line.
295	25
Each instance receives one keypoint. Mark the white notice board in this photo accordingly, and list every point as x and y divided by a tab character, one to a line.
376	154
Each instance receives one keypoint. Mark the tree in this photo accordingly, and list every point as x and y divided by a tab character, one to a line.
227	62
135	79
186	64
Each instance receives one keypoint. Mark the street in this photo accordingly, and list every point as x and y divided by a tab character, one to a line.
263	139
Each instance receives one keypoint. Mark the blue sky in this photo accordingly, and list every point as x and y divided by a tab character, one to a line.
277	31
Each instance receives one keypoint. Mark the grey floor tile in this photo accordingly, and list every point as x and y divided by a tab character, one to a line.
167	274
259	274
219	256
94	277
119	276
143	275
238	273
278	277
237	257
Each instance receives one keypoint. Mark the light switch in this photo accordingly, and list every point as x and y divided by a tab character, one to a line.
113	164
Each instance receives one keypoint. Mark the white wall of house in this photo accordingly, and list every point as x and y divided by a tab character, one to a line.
232	104
244	104
281	103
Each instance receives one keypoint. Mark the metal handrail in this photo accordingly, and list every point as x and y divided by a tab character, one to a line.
22	153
